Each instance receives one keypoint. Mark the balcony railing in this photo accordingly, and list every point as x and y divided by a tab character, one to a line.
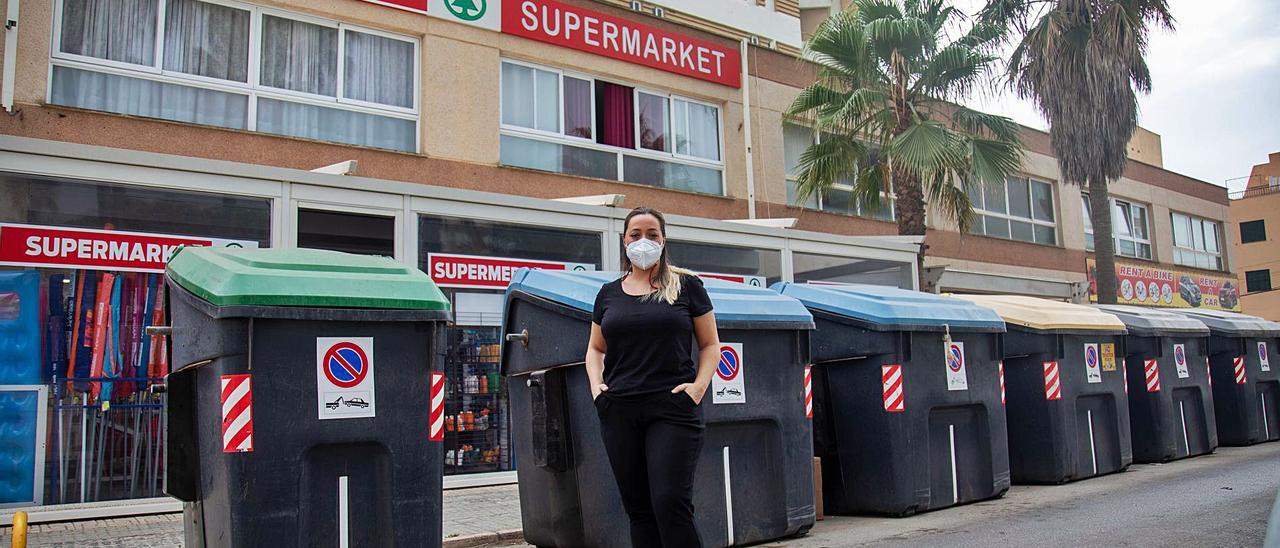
1254	192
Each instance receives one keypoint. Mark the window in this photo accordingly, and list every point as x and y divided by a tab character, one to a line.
1017	208
1130	227
314	78
1257	280
579	125
1196	243
813	267
1253	231
838	199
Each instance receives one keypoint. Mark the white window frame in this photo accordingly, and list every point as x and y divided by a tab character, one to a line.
887	198
561	138
1116	238
253	89
979	212
1197	223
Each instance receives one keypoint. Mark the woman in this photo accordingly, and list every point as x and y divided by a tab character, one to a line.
646	386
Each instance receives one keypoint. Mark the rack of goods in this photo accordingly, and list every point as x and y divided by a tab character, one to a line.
476	426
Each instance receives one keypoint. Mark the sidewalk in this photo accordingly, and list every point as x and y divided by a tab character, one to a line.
477	516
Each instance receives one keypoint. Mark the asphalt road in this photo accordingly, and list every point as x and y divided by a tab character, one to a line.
1223	499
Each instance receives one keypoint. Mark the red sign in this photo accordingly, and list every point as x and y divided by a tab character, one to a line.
485	272
411	5
28	245
594	32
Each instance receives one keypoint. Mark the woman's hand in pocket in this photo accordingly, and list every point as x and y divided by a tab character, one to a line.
597	390
694	390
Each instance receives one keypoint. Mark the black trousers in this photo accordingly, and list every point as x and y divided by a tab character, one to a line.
653	442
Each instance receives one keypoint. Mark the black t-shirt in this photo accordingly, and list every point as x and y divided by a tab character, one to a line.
649	342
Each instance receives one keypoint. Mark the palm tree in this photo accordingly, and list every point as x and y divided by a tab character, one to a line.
1082	62
888	76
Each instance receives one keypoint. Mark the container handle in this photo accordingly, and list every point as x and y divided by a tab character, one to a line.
522	337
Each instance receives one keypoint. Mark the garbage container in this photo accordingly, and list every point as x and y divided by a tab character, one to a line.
1068	414
305	408
1245	366
1170	399
907	399
755	473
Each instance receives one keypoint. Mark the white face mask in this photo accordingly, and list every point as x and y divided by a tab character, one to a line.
644	253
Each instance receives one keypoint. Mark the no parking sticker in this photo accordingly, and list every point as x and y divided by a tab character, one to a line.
727	385
956	377
1180	361
344	378
1092	369
1263	358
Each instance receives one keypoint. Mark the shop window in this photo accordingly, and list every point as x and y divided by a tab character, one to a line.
1253	231
106	59
1130	226
579	125
1257	280
1196	242
722	259
839	198
90	313
347	232
810	267
477	426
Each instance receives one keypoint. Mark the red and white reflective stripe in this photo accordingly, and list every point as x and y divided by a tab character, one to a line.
808	392
237	414
437	407
1001	370
1238	362
1052	382
1152	370
895	400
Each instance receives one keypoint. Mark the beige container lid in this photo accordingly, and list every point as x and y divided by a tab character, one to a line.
1047	315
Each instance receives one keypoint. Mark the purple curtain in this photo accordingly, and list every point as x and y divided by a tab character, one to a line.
615	120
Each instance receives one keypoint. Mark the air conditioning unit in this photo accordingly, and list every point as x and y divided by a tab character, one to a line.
636	6
754	40
659	12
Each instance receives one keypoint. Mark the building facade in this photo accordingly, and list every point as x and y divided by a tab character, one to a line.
1255	216
449	132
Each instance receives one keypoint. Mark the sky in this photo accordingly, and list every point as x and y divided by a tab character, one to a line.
1215	97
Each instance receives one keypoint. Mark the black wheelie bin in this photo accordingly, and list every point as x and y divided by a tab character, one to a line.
301	409
1245	366
908	412
755	474
1068	411
1170	398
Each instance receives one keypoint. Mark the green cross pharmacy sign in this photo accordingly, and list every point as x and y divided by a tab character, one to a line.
480	13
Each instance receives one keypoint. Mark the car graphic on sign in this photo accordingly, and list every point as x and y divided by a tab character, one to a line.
356	402
1228	295
1190	291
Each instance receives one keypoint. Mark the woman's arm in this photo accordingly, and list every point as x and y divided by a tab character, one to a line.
595	361
704	330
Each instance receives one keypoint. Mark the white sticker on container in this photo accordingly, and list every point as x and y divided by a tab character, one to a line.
1180	361
1092	367
344	378
1263	358
957	378
728	385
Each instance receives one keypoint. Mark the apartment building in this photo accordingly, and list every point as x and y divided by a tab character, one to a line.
1254	211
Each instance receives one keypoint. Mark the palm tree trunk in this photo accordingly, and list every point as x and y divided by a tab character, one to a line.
1103	243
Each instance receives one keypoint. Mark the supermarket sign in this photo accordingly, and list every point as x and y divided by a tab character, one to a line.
49	246
1143	285
590	31
485	272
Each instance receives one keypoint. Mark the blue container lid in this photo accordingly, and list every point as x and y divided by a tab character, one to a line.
883	308
736	305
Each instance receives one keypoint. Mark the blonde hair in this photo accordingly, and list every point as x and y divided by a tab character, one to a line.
666	277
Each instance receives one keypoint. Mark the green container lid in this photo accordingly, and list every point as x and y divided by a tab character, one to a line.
310	278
